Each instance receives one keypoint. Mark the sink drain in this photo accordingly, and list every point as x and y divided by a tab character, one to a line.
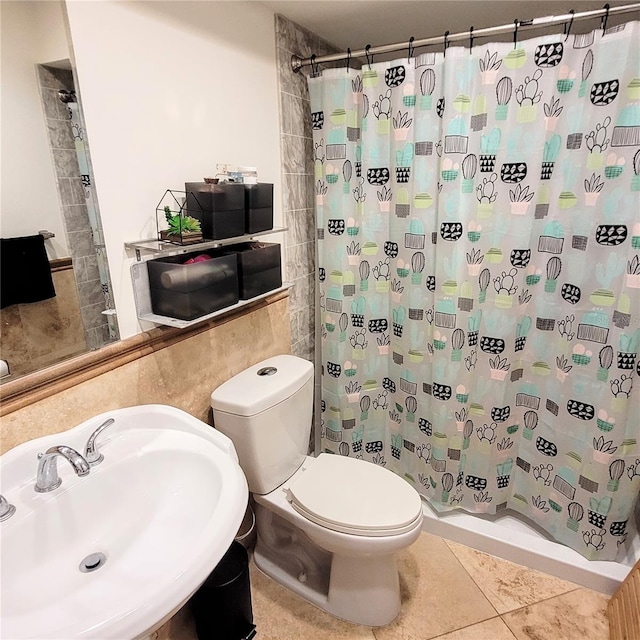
92	562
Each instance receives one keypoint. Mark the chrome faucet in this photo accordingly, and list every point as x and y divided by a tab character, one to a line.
91	453
48	479
6	509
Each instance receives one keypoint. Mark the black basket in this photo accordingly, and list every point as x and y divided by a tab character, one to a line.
259	268
189	291
258	199
220	208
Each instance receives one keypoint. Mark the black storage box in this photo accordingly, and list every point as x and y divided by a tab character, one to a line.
220	208
189	291
259	268
258	207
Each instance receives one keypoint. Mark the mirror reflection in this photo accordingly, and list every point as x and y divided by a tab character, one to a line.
47	192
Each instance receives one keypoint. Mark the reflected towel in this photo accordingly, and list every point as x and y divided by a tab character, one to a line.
25	272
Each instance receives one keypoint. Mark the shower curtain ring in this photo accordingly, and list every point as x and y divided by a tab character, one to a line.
567	30
446	43
411	49
605	18
516	22
315	67
470	40
369	56
348	58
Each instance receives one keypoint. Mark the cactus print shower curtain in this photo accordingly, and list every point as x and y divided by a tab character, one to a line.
479	273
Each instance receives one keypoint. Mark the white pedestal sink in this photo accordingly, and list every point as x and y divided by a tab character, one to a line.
163	507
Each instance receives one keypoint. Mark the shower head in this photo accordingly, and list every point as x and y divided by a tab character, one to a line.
67	96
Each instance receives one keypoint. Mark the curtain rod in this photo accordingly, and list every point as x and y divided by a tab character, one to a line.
297	63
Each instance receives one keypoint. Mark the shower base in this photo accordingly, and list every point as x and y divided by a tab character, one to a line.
512	537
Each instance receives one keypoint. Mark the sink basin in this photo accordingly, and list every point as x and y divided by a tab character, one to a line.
163	507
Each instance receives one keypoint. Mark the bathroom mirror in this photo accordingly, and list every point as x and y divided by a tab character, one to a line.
47	187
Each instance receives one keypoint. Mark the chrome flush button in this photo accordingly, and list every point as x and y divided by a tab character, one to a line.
267	371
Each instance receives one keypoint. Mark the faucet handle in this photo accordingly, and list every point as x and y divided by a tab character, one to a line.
6	509
91	453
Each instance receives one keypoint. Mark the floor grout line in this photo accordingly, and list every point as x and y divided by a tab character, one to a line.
472	580
576	588
468	626
532	604
513	633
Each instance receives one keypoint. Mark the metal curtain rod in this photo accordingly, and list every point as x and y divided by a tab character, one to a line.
297	63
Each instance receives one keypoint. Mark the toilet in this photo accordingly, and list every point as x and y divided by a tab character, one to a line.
328	527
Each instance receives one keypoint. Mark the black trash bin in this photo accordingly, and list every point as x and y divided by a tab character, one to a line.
222	606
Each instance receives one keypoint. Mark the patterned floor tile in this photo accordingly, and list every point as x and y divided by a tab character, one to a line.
579	615
506	585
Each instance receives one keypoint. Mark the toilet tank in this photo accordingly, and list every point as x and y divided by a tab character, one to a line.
266	410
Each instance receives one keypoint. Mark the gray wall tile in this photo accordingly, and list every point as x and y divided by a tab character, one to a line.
77	191
293	154
60	135
90	292
66	163
306	321
304	348
72	193
302	292
48	79
76	218
80	243
301	260
290	81
301	226
300	41
52	105
54	78
86	269
92	316
298	189
296	118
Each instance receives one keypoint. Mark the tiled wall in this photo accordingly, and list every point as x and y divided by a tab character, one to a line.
297	178
73	203
182	375
298	191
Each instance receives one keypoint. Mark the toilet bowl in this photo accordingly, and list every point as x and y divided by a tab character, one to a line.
358	580
327	527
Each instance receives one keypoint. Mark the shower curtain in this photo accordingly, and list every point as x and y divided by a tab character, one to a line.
479	273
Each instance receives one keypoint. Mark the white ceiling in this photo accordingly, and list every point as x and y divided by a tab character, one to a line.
356	23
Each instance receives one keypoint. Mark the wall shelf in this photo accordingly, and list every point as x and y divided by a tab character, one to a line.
142	295
157	247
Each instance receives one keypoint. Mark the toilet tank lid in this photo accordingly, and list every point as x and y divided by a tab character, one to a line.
262	385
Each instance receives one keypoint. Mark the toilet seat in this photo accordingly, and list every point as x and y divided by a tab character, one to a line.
355	497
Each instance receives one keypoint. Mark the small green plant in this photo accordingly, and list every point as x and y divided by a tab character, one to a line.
180	224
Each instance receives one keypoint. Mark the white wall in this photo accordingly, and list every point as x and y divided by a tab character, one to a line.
31	33
168	90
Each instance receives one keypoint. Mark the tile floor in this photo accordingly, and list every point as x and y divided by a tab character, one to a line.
449	592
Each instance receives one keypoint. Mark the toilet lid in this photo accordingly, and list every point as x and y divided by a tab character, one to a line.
354	496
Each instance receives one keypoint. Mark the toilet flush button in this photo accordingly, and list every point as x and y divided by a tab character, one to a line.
267	371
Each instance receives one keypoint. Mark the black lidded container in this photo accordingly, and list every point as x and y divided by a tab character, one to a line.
189	291
222	605
221	209
258	207
259	268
